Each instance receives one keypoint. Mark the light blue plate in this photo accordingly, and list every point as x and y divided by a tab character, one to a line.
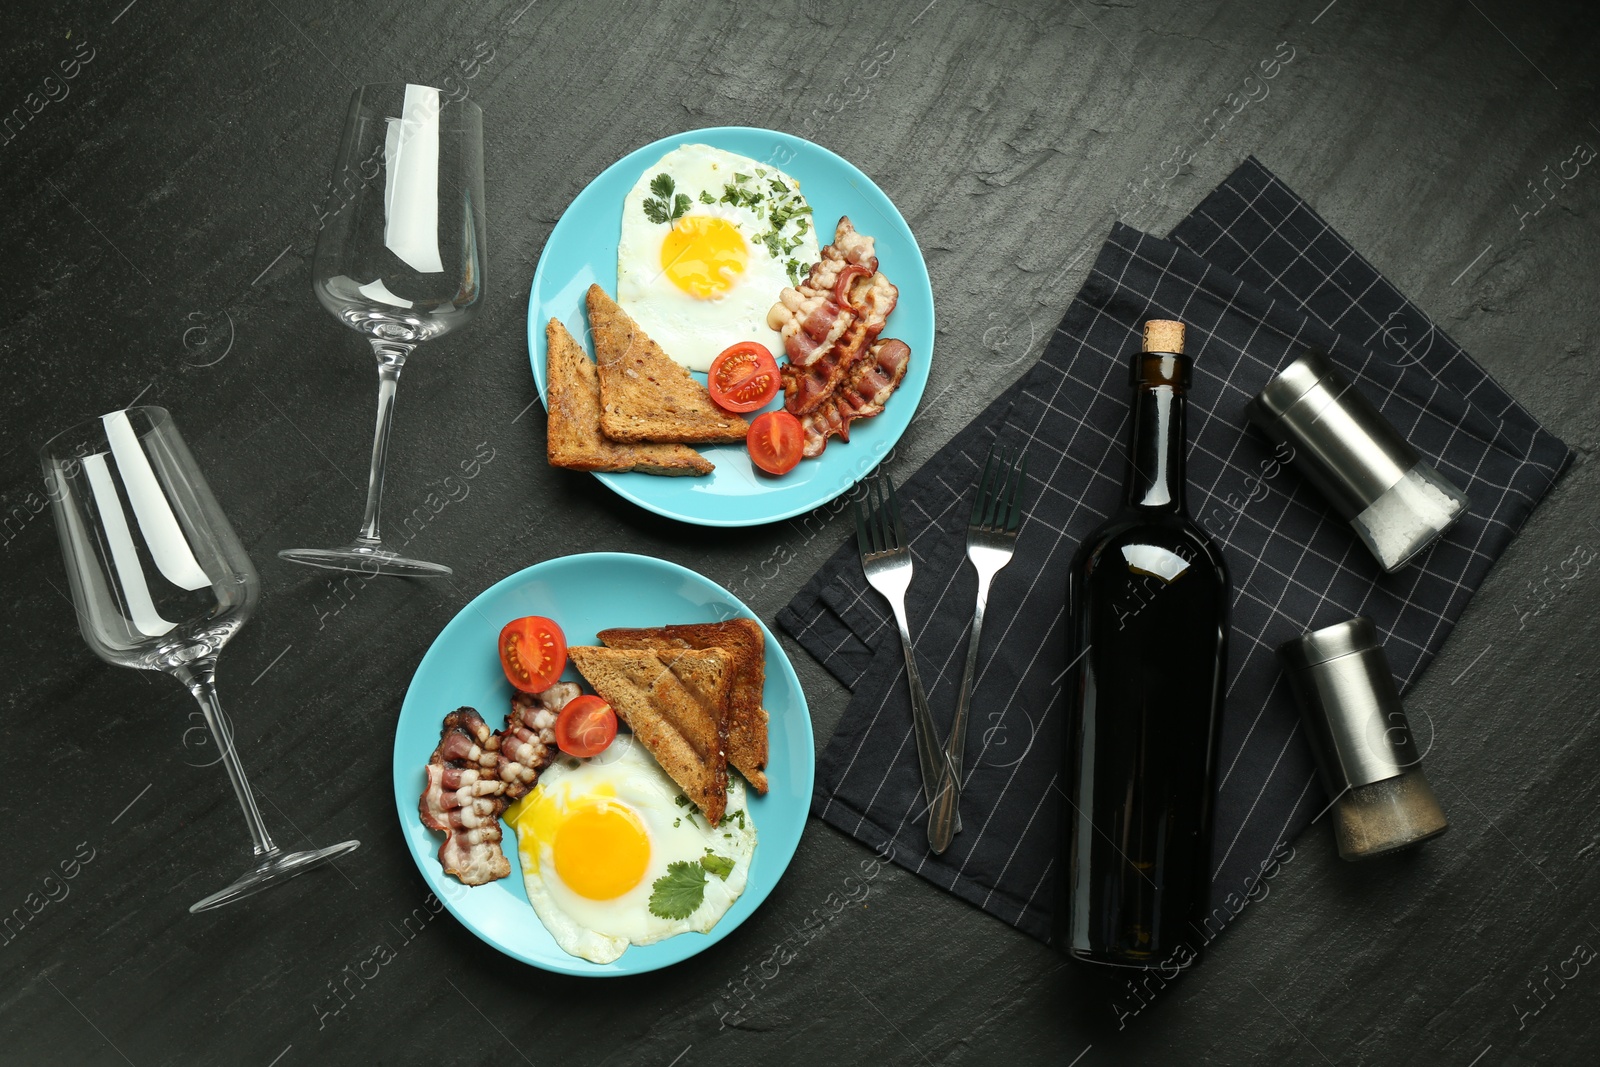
586	594
582	251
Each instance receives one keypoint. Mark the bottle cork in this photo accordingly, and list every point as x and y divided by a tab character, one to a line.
1163	335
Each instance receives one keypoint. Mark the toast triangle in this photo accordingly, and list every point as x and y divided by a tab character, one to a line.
644	395
574	440
687	735
747	720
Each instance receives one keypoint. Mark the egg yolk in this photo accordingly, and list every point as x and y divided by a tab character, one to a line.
601	851
703	255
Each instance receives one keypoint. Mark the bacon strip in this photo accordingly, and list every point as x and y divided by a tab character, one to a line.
527	745
474	775
838	369
808	316
871	381
464	797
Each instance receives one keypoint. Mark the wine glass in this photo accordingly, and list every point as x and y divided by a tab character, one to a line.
400	258
160	582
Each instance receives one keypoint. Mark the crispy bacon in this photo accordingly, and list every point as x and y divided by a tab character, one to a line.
808	387
527	745
849	248
861	396
474	774
811	316
810	323
838	370
872	298
464	797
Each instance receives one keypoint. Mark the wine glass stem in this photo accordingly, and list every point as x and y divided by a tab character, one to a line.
200	677
391	357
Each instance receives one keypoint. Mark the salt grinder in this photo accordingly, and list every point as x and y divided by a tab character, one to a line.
1365	755
1396	502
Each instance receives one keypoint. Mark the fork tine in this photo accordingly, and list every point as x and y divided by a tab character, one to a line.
1014	503
983	483
997	490
875	516
874	521
863	542
886	518
989	488
894	513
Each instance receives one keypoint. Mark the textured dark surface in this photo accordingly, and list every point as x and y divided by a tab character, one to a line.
160	220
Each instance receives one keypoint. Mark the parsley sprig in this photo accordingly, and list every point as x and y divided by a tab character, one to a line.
676	894
665	207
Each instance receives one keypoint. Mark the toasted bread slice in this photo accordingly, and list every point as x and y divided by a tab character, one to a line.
747	720
575	440
644	395
686	734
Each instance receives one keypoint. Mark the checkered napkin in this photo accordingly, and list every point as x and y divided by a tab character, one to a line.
1258	277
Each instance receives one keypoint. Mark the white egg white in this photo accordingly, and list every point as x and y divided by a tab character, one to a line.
693	331
626	775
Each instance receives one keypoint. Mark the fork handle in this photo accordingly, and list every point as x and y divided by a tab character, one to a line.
945	820
929	754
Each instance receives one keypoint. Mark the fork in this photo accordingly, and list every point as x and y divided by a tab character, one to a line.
991	541
886	559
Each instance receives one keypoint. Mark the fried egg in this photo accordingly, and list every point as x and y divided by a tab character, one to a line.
595	836
709	240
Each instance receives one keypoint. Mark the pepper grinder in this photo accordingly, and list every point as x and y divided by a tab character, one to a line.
1365	755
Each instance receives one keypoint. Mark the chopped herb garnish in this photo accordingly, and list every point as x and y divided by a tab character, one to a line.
721	866
706	197
684	802
676	894
664	207
737	815
778	205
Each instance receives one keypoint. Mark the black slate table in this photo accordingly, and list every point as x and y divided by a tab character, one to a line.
161	207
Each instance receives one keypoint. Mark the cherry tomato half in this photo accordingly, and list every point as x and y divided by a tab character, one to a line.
775	441
585	726
533	653
744	377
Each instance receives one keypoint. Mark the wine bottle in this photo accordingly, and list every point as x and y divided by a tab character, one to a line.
1148	599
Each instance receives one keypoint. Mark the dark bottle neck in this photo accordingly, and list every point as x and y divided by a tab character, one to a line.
1157	440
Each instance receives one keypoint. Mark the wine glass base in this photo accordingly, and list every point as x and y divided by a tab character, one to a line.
365	560
274	869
